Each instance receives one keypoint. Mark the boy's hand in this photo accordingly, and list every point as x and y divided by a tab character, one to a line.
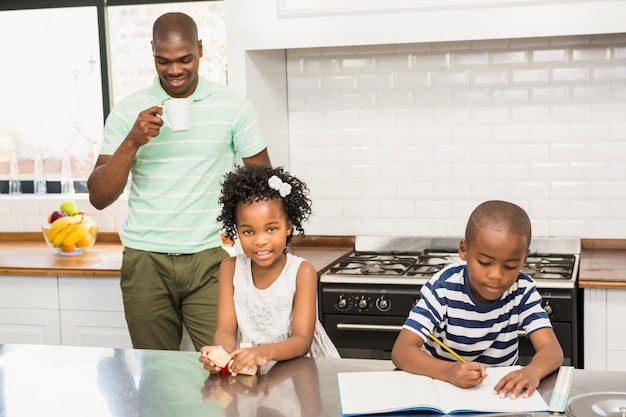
517	382
467	375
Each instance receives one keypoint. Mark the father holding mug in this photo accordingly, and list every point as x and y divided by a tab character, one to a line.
171	238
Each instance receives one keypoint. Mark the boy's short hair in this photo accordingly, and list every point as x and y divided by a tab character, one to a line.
501	216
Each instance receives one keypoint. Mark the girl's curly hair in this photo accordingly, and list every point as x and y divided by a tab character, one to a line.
250	183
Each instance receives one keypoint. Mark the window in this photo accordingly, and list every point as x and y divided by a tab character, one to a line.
52	83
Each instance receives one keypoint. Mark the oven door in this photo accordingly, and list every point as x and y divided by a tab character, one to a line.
366	337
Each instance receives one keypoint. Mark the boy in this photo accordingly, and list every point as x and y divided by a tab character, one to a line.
476	308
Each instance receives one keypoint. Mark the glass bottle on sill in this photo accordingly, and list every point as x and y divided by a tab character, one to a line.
15	186
67	180
39	183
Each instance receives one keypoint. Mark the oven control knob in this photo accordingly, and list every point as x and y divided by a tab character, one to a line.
363	302
342	302
383	304
548	308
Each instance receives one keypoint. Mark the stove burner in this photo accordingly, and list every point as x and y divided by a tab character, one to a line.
380	266
421	270
426	264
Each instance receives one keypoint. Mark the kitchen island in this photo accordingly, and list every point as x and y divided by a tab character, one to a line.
69	381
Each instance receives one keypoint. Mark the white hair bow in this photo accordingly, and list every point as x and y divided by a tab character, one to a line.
277	184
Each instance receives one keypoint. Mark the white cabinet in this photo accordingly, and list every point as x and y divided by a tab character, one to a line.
605	335
616	330
76	311
92	313
285	24
29	310
29	326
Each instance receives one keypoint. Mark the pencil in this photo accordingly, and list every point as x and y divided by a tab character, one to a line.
456	355
443	345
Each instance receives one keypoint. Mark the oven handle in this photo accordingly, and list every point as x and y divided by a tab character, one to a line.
386	328
382	327
375	327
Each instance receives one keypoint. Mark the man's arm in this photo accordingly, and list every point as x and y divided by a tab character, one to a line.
110	175
262	158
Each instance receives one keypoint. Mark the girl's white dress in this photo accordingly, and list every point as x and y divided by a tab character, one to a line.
264	316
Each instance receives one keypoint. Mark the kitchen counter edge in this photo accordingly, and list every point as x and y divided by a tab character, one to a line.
602	264
27	254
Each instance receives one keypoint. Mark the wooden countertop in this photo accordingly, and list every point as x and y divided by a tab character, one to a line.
602	264
602	261
28	254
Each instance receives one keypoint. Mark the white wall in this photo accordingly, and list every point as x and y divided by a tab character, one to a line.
407	139
27	212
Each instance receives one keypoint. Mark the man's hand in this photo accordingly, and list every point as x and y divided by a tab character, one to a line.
147	126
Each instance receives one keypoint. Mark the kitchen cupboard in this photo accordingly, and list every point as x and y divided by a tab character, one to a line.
285	24
92	313
74	311
604	335
29	310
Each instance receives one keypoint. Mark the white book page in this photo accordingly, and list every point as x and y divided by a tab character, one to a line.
371	392
481	398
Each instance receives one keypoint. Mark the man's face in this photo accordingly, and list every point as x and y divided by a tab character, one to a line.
494	259
177	62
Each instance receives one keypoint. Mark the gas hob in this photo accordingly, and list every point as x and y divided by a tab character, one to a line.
553	262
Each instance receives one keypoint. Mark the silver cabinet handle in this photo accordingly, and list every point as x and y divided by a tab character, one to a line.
521	333
376	327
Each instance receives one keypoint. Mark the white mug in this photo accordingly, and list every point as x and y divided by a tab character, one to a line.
176	113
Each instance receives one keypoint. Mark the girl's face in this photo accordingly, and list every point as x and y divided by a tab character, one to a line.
494	260
263	227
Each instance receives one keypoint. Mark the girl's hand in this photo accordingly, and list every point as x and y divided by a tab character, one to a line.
245	359
206	362
516	382
467	375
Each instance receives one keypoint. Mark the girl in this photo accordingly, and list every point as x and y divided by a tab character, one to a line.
267	296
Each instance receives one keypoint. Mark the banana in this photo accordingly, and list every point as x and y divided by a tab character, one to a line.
62	234
76	234
64	221
60	224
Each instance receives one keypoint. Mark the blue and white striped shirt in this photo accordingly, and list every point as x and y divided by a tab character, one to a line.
478	332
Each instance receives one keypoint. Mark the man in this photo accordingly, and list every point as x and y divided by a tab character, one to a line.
172	245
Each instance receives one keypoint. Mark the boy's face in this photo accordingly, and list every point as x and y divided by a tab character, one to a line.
494	259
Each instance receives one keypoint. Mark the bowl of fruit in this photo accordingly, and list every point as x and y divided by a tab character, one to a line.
69	231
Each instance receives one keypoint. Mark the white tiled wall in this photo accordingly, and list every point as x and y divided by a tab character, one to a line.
408	139
27	212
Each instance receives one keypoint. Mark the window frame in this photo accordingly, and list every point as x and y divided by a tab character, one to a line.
101	6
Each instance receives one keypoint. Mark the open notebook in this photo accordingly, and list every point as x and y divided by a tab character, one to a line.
390	391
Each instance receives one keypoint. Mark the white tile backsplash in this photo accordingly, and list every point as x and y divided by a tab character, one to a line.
537	121
27	212
409	138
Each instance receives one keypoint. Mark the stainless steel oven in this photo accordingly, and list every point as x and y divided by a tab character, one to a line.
365	297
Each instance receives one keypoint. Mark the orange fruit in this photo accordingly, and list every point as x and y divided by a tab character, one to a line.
84	241
68	248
